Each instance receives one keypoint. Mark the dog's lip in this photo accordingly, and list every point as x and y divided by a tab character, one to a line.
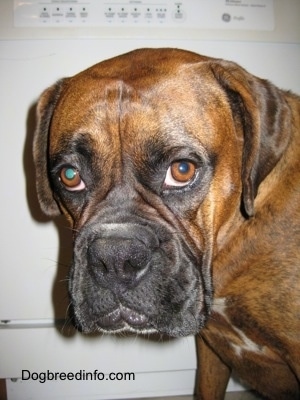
123	315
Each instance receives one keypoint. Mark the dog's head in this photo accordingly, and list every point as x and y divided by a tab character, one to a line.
152	156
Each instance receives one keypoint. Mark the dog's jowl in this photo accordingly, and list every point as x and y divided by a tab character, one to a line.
180	176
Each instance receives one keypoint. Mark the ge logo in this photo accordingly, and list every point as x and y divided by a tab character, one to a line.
226	17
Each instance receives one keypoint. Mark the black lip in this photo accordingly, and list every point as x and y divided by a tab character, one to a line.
121	315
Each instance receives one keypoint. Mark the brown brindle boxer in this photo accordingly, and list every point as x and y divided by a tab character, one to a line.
180	176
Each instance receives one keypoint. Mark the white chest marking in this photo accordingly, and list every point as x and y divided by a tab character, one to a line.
240	342
246	345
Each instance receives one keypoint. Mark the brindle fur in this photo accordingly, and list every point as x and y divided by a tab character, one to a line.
219	258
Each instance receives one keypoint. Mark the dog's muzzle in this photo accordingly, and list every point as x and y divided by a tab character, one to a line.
136	276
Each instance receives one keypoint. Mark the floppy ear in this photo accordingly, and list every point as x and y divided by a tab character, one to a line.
262	111
45	108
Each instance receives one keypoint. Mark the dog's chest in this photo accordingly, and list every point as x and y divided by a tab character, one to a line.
235	344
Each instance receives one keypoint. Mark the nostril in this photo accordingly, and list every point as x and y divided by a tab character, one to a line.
128	268
131	269
97	268
101	266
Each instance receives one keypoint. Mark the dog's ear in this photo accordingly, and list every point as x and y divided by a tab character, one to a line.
263	114
45	109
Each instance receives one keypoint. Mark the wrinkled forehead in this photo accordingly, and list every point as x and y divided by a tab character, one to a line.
180	104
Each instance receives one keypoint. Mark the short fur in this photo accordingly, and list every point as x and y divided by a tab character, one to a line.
217	257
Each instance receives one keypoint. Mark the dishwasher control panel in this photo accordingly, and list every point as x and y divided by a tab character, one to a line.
201	14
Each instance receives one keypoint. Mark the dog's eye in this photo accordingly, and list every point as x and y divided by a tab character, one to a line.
71	179
180	173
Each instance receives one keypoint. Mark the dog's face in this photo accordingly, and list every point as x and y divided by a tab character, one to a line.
151	157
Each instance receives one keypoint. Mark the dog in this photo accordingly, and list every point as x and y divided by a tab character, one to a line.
180	177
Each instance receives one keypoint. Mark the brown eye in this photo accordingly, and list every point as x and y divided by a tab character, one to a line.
71	179
180	173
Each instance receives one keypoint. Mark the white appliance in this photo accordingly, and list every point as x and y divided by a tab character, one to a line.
40	42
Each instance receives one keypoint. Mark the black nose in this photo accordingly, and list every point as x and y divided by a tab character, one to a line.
118	260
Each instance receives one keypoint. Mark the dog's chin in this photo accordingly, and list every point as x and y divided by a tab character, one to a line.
124	320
